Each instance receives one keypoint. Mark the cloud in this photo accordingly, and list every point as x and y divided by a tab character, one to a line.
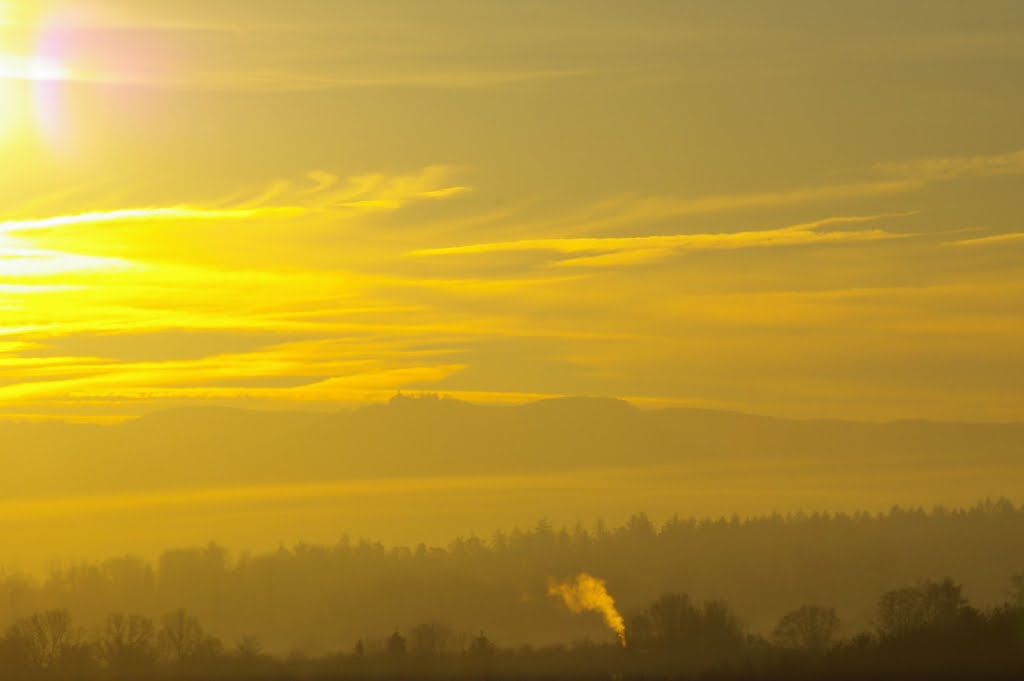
282	199
944	169
903	177
995	239
404	310
614	251
275	219
285	81
148	382
174	213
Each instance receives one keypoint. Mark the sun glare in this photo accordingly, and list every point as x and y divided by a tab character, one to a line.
8	108
18	76
20	73
14	67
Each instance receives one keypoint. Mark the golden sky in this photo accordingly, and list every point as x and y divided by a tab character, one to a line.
799	208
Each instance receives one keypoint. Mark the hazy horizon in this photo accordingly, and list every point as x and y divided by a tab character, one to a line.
428	469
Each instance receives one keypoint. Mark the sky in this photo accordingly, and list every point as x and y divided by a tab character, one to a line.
798	208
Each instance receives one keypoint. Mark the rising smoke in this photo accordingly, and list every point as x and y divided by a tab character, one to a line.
588	593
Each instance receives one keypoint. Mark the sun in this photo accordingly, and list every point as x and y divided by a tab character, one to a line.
20	74
32	68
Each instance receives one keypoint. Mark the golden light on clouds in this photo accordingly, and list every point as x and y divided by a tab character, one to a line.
217	206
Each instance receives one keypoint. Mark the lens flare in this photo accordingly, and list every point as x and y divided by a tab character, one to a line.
15	67
28	77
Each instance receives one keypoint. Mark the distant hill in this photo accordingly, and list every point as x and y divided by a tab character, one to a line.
426	436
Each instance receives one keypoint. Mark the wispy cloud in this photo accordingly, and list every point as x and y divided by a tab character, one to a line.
174	213
407	311
995	239
324	192
277	81
890	179
642	249
946	168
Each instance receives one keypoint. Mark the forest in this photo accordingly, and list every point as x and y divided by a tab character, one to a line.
900	594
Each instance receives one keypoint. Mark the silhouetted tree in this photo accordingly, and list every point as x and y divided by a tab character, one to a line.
249	649
128	642
434	638
930	604
674	622
1017	590
45	641
182	638
481	646
810	628
396	644
721	630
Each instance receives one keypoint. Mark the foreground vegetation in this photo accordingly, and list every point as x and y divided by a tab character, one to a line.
860	596
927	630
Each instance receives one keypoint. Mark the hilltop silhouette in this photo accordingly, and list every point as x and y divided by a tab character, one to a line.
429	436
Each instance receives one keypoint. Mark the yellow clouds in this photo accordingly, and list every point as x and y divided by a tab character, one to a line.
955	167
517	201
613	251
269	52
20	260
176	214
995	239
222	379
270	80
264	229
338	288
321	191
30	262
150	273
382	192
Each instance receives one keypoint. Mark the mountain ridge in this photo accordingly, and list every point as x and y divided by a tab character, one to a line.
428	436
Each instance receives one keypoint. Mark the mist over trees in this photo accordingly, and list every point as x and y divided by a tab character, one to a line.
427	469
802	581
927	630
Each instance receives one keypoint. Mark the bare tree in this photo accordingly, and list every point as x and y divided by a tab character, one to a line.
433	639
396	644
46	640
810	628
930	604
128	641
182	638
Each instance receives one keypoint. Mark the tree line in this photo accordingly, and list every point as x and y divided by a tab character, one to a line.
310	597
924	630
